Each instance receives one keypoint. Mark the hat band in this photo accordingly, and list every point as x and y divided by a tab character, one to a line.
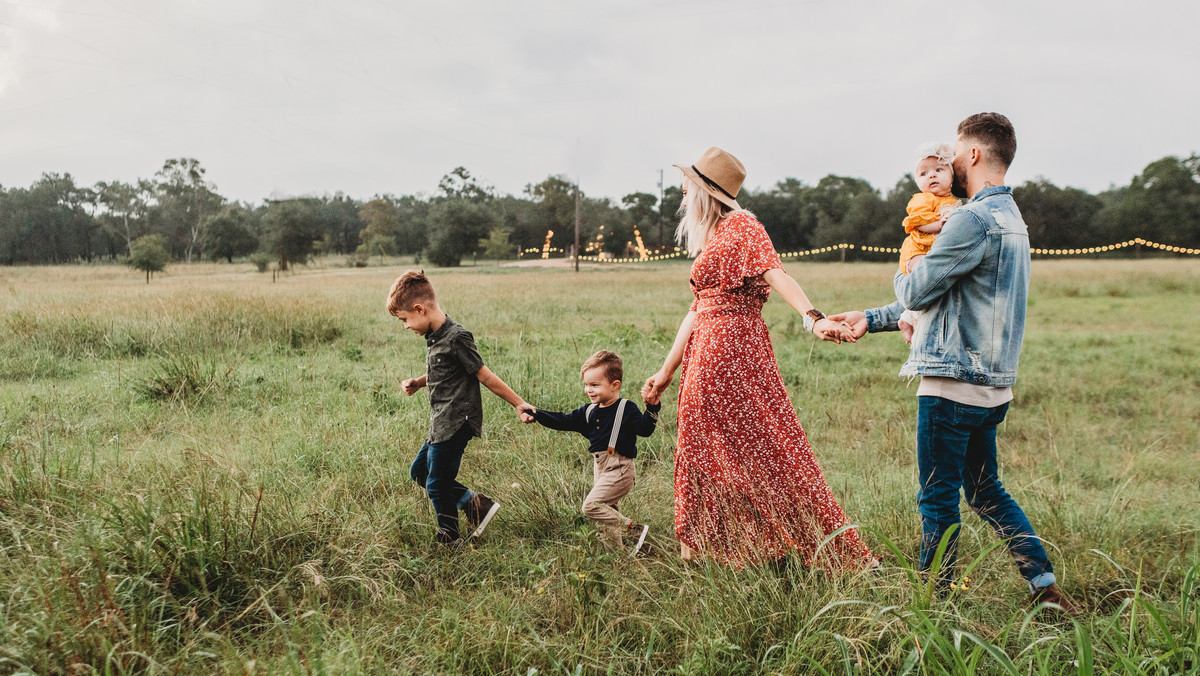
713	184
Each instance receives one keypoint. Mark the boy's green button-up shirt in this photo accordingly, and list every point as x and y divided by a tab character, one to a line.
450	367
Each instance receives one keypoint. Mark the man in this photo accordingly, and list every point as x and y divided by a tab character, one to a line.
972	286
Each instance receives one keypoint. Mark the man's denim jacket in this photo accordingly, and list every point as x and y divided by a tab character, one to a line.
972	287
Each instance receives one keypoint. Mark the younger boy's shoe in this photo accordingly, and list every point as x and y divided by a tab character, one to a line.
479	511
1059	603
639	529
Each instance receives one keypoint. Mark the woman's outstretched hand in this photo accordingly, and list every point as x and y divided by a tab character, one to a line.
654	387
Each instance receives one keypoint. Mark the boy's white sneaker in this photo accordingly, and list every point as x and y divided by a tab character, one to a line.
641	529
480	510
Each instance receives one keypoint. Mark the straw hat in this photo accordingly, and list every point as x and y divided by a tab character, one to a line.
719	173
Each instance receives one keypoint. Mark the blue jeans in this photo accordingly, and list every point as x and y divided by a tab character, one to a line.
956	448
436	469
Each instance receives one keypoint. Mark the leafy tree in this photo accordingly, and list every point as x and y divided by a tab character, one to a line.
382	224
668	213
618	231
459	218
149	253
290	228
125	206
185	199
412	213
1057	217
340	223
380	245
641	213
51	223
829	203
496	245
554	200
782	213
226	234
460	184
456	226
1163	202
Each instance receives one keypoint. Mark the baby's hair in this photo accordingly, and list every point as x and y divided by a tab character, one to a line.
943	152
609	360
409	289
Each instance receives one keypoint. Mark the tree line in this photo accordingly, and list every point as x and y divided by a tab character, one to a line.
57	221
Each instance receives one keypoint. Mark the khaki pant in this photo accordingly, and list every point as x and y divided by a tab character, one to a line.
613	477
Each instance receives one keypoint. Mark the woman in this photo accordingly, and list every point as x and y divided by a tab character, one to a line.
747	487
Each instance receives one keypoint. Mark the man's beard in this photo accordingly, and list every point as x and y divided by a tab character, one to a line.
957	187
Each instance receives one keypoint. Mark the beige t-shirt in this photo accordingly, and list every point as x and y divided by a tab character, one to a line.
963	392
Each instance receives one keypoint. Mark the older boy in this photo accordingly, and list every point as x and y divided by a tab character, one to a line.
453	373
611	424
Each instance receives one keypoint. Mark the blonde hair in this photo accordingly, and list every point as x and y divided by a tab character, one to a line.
409	289
609	360
700	218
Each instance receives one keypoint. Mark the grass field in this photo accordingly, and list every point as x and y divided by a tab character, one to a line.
209	474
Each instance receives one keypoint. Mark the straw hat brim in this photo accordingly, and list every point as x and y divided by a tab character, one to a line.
698	180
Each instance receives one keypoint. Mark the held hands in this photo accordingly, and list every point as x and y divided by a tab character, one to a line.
525	412
855	321
654	387
411	385
835	331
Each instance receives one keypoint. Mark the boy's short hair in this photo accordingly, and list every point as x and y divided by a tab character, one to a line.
409	289
609	360
993	131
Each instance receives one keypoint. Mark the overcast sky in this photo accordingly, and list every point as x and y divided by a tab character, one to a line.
386	96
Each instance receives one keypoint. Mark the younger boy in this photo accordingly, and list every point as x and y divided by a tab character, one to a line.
610	423
453	372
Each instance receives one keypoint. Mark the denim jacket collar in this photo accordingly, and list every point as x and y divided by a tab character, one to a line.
989	191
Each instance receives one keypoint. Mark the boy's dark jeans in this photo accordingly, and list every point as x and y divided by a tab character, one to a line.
436	468
956	448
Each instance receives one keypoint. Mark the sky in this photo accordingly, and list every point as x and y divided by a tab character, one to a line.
370	97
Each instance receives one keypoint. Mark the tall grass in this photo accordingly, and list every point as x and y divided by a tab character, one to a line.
210	474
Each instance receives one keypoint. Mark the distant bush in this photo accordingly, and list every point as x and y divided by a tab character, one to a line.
262	261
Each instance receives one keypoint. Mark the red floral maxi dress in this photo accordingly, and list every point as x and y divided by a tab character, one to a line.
747	487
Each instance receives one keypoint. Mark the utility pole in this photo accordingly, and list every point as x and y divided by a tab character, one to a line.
662	195
578	201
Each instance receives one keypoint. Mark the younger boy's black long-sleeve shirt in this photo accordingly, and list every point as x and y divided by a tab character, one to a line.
635	424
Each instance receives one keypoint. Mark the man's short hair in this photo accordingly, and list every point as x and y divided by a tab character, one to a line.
609	360
409	289
994	132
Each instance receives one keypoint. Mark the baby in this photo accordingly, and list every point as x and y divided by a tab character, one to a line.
927	212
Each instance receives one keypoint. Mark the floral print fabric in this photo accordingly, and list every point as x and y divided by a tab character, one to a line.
747	486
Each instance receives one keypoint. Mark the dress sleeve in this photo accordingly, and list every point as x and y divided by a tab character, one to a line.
922	210
746	255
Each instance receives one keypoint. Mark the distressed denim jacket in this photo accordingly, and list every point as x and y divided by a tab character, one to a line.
972	287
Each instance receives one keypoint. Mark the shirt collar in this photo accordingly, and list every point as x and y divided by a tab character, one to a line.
992	190
434	336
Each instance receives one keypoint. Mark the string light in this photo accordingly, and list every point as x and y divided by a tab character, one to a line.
646	257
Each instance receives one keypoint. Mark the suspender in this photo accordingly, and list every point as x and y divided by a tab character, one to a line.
612	439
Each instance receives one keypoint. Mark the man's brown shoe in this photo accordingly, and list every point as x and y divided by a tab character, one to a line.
1059	603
